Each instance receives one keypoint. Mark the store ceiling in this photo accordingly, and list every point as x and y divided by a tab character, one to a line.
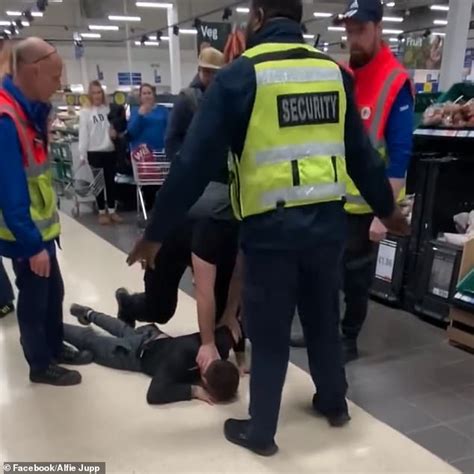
62	19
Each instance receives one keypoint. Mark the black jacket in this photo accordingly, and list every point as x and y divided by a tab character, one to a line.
172	364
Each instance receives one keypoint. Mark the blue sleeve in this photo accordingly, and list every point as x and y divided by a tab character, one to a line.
203	153
399	134
177	128
135	126
14	195
364	164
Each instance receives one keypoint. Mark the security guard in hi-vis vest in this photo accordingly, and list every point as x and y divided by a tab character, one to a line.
287	113
385	98
29	221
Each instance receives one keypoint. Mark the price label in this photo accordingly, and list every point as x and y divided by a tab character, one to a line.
386	260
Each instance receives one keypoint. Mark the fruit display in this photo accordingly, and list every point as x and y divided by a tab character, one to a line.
450	115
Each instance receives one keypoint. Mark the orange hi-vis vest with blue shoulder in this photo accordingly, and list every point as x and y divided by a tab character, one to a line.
377	86
43	208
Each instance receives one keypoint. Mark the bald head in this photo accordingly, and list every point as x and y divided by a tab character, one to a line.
31	50
37	68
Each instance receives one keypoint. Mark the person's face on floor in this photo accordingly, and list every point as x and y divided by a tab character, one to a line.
207	76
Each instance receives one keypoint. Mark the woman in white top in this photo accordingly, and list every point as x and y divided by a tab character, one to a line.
95	145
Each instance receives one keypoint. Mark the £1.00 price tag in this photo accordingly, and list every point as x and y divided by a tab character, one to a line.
386	260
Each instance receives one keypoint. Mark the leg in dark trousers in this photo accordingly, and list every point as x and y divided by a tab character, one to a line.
6	290
39	313
269	299
54	327
110	167
112	325
116	353
359	268
318	304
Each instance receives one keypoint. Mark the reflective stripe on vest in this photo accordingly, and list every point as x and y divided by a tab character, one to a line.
33	169
300	152
43	209
300	96
321	192
298	74
380	108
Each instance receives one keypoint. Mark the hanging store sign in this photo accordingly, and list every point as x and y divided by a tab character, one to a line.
420	52
212	34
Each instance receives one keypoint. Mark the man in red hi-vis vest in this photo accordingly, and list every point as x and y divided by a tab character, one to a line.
29	221
384	95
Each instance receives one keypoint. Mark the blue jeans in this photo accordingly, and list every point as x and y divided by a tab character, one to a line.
275	283
40	313
6	291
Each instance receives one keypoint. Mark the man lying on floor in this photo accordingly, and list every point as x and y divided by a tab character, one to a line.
170	361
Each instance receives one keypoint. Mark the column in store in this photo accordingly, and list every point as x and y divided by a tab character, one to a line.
175	50
457	30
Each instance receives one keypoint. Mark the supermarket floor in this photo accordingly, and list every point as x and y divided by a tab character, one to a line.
418	389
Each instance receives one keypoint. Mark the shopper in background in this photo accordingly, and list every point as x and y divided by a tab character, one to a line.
147	125
6	293
95	145
384	96
287	112
29	221
210	62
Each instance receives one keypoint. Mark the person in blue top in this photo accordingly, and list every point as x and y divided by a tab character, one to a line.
147	126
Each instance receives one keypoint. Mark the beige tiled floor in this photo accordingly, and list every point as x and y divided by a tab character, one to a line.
107	418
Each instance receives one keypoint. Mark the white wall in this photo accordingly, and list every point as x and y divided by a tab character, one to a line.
112	60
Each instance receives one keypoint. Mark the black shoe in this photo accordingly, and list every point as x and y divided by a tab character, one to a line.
350	351
298	341
236	431
57	376
122	295
81	313
6	310
71	356
336	419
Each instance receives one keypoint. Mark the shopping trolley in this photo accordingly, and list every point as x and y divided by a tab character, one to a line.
80	191
148	172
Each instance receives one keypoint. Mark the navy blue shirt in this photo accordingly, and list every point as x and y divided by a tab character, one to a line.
222	122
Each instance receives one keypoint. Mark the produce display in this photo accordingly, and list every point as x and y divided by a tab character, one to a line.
458	114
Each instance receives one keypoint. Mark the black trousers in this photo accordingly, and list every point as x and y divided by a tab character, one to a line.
117	350
360	258
159	301
6	290
107	161
40	313
275	283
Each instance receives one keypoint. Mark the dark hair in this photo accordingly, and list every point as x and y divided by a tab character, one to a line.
222	380
149	86
292	9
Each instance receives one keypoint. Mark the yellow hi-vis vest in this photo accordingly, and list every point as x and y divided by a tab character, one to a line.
294	153
43	209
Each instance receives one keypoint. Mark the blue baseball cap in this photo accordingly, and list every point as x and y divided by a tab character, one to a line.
364	11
